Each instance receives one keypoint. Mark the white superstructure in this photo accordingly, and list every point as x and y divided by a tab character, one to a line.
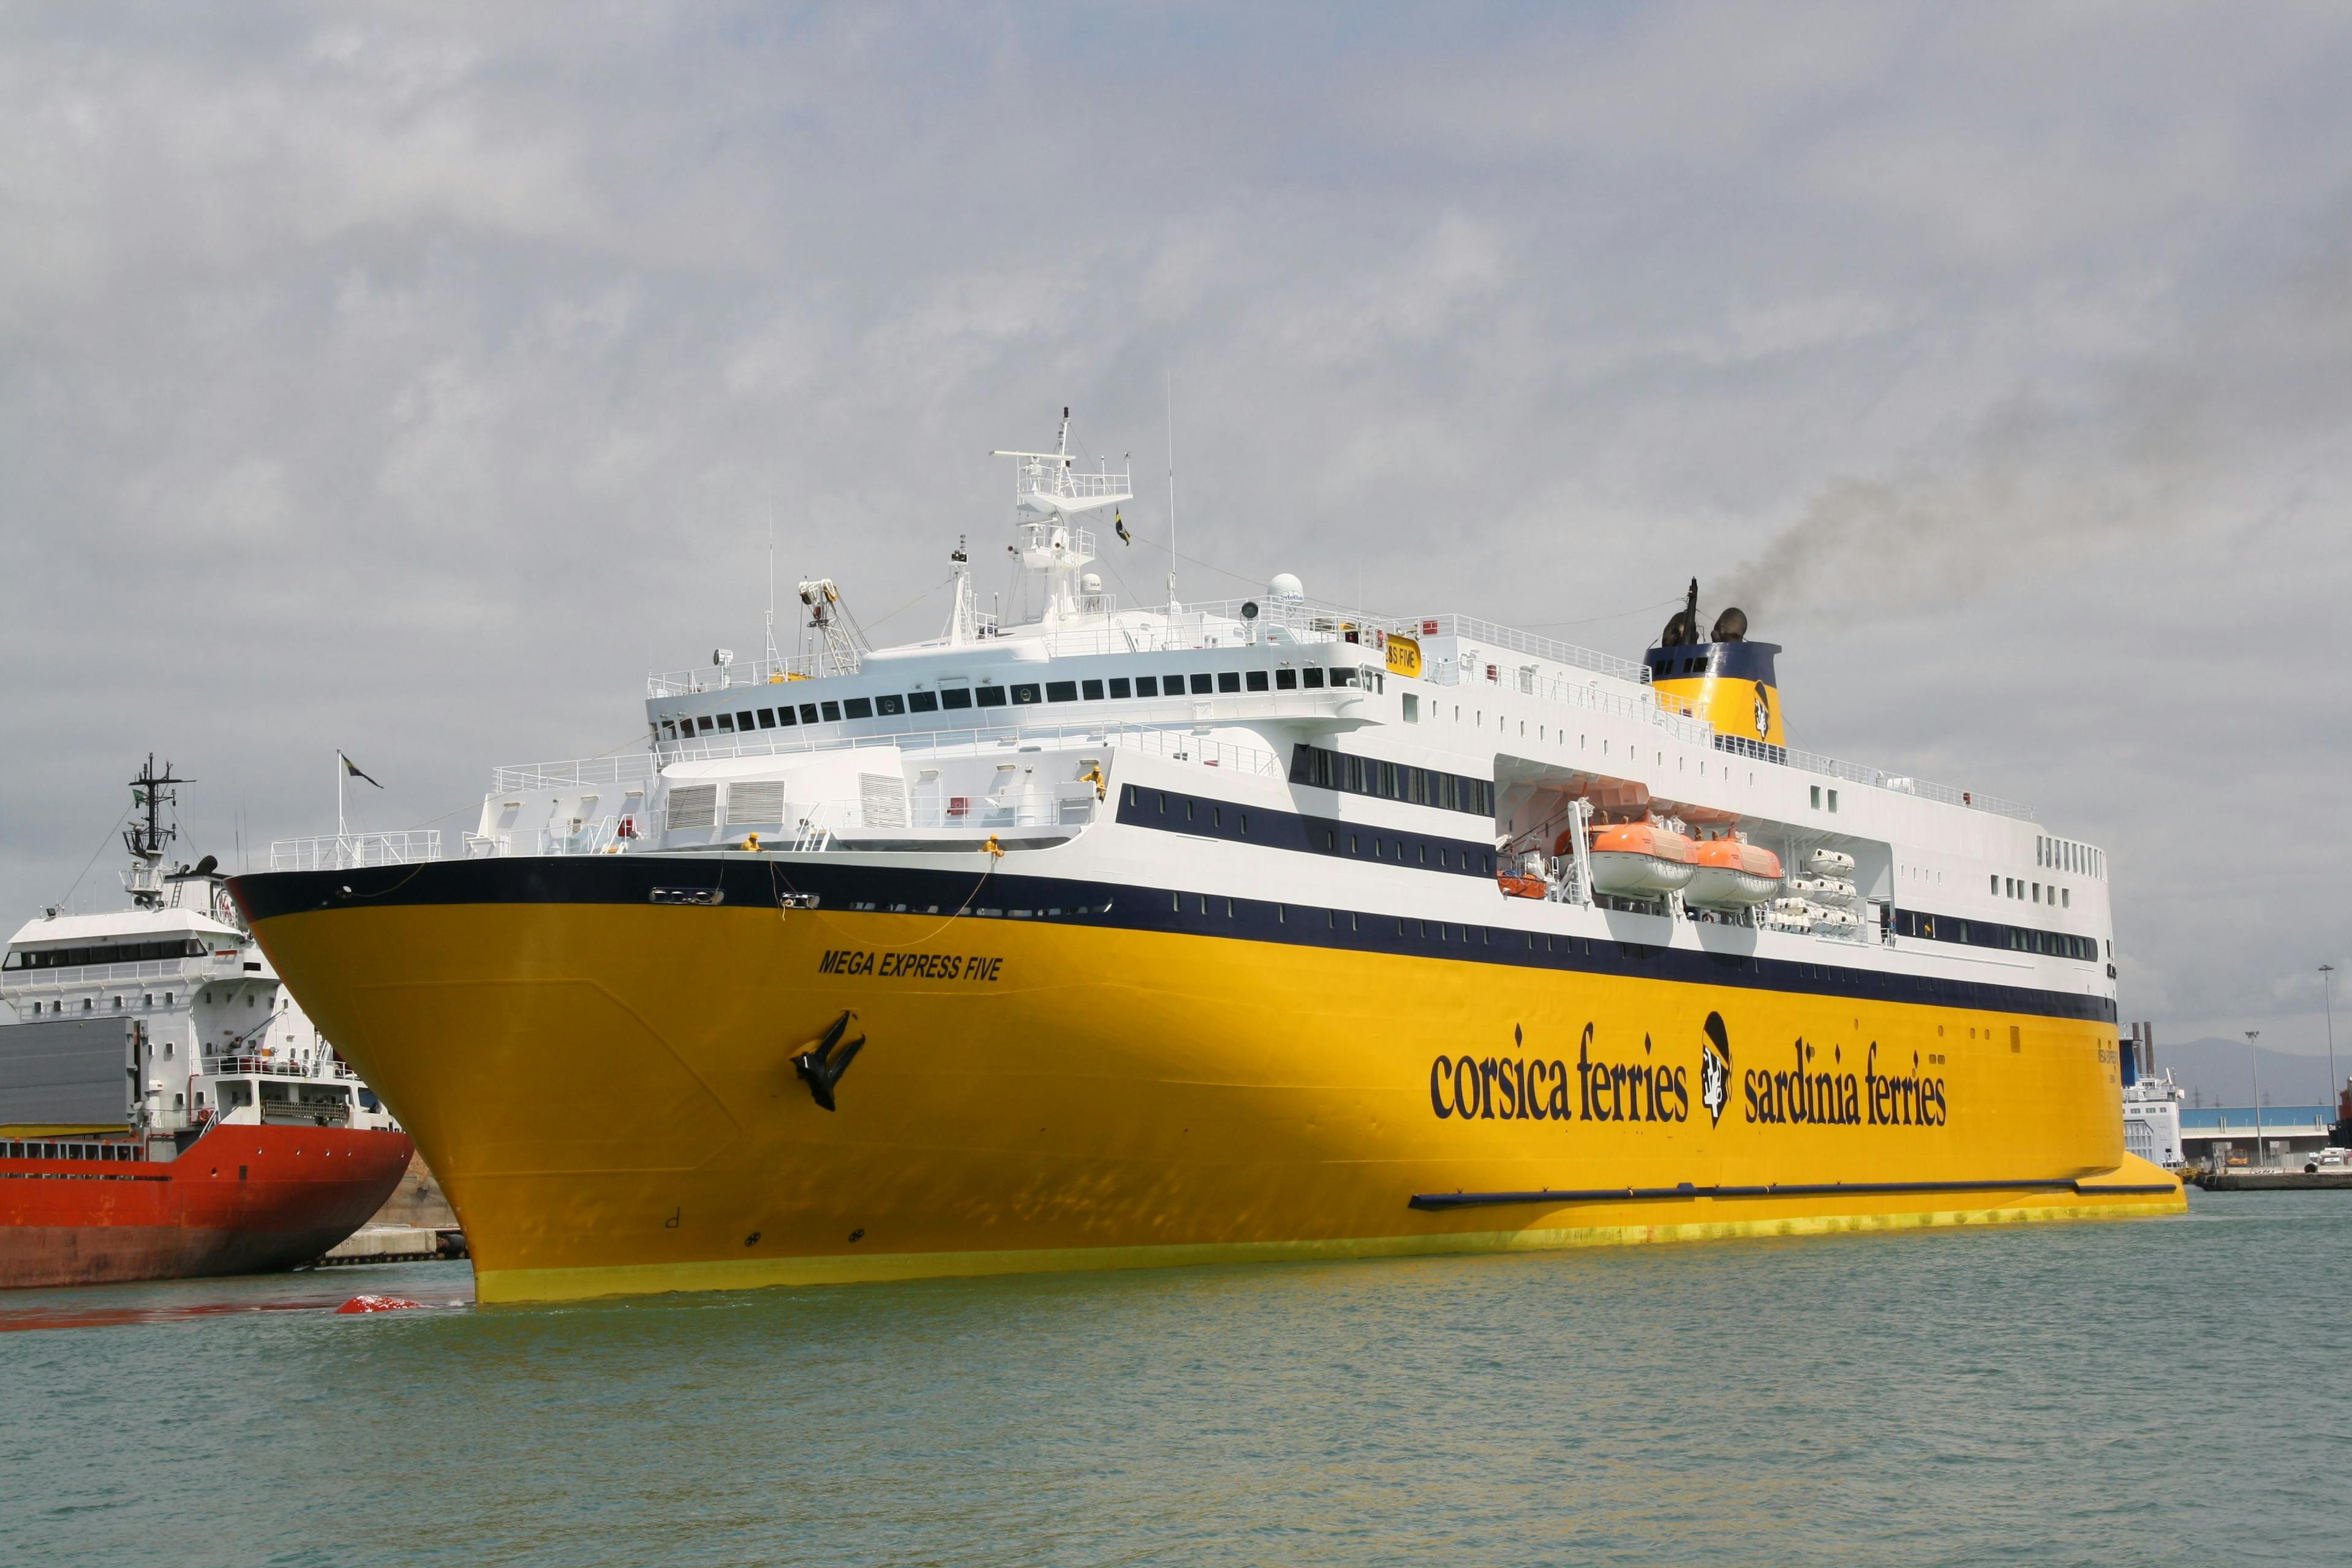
170	1002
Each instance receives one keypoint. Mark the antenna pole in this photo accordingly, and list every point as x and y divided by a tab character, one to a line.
340	830
1171	387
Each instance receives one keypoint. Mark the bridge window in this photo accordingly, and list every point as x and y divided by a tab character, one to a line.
956	697
726	722
992	696
1056	692
1147	686
1024	692
808	713
1201	684
924	702
1257	680
1312	676
1120	688
890	705
743	721
1286	679
1229	680
1094	690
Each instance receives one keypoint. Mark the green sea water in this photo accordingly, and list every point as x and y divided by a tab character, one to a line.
2156	1391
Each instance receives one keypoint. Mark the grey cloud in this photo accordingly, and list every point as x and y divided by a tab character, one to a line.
411	382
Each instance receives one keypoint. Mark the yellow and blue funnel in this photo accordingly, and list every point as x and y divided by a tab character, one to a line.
1724	678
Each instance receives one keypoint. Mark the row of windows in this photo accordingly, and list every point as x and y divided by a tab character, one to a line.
103	1152
1283	830
1989	934
111	952
1390	781
1018	694
89	1005
2018	888
2064	855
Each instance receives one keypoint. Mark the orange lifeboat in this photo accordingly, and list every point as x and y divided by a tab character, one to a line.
1640	859
1732	875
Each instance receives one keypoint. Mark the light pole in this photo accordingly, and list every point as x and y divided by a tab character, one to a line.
2255	1056
2328	999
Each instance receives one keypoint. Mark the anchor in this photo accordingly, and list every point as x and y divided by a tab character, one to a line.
821	1067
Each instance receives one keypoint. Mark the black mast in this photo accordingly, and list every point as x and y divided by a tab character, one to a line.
150	831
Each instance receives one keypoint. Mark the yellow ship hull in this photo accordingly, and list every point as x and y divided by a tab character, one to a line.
607	1092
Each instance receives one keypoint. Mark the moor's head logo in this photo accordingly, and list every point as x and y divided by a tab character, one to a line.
1715	1069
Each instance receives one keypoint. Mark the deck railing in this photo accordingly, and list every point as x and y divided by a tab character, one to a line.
344	851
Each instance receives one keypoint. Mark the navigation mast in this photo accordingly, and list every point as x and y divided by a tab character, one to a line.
1048	488
150	833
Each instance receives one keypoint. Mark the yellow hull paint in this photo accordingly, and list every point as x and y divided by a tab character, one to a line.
605	1091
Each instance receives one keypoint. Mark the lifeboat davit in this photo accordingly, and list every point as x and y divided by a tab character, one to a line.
1732	875
1641	860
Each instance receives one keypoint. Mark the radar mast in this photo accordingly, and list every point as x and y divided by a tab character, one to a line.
151	832
1048	493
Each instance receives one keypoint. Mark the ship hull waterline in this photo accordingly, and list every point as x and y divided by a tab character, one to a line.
239	1200
606	1089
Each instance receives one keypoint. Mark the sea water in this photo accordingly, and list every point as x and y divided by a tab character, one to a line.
2165	1390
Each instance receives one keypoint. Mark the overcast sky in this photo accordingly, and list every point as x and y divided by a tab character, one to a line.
412	381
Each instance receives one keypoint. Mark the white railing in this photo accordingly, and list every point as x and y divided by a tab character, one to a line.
1169	739
1471	629
250	1060
1076	541
818	825
344	851
734	676
194	968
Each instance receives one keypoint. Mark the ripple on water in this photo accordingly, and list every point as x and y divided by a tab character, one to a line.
2153	1391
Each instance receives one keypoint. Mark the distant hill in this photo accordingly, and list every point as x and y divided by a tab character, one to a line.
2223	1071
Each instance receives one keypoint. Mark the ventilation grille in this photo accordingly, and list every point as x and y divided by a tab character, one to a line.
755	802
693	806
883	799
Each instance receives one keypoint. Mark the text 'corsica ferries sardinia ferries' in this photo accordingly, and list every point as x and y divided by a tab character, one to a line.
1256	929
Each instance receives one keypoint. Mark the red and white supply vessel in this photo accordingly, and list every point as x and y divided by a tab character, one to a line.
166	1110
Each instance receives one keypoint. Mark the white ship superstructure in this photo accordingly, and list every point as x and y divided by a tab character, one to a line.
165	1015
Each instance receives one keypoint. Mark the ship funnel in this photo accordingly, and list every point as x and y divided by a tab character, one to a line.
1724	678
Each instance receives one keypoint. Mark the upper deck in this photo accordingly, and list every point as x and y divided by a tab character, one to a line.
1254	661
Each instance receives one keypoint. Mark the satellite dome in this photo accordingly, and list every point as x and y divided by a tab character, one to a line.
1287	588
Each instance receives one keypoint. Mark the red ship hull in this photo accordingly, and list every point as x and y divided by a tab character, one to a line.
240	1200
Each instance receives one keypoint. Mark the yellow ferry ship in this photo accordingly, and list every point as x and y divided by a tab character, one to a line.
1113	937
